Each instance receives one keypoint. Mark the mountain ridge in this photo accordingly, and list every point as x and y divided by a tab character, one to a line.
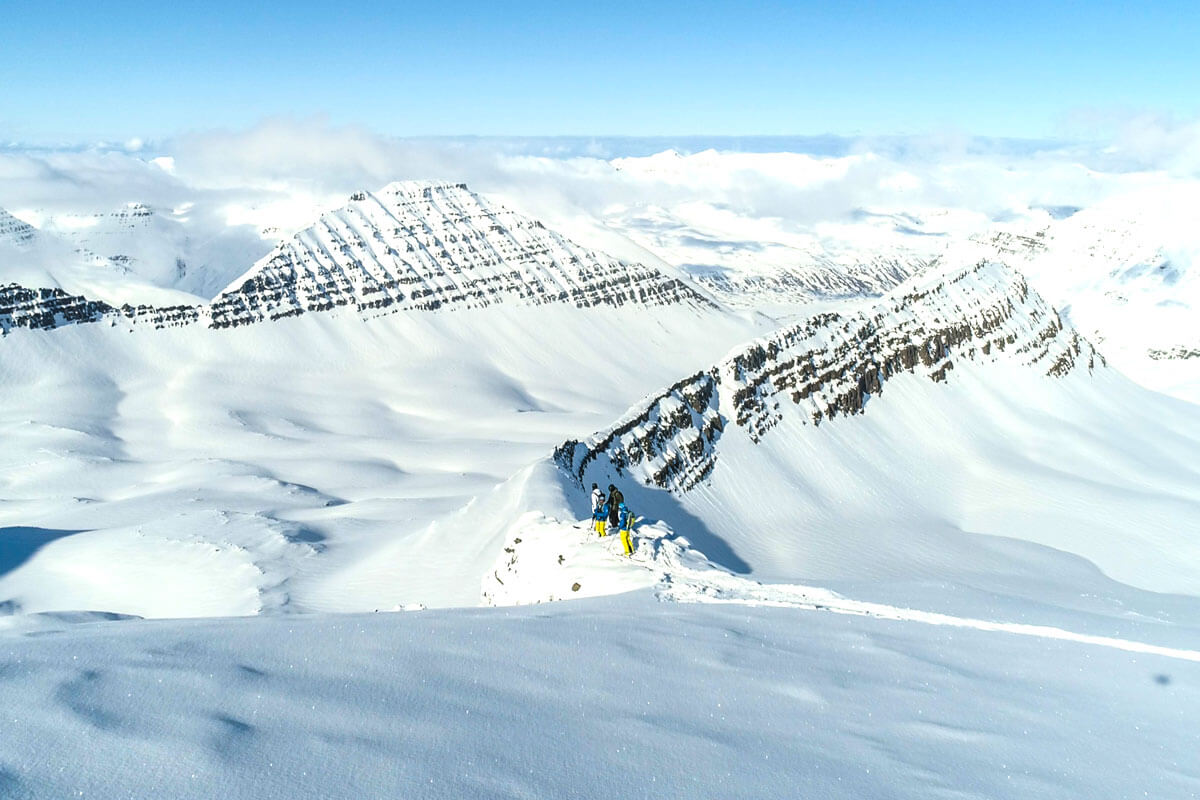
418	246
831	364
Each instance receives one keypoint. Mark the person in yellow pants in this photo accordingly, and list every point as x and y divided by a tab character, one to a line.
627	520
600	518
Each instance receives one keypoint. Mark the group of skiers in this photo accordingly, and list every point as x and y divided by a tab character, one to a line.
611	513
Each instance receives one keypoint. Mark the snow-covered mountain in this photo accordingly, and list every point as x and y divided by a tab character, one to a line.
235	396
15	232
831	364
417	246
135	254
410	247
769	264
940	494
918	437
1125	273
163	247
813	277
782	230
46	309
573	336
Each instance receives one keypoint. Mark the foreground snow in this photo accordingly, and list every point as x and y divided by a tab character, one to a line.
619	697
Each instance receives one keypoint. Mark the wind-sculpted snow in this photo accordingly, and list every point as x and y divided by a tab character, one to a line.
415	246
830	364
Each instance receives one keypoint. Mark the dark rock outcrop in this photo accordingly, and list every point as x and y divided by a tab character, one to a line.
42	309
1177	353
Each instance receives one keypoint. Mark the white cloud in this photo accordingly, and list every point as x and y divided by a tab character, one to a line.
282	172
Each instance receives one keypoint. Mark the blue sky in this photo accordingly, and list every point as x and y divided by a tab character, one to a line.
74	72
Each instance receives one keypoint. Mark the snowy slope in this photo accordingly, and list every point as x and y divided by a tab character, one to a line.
926	437
319	449
1124	272
616	697
165	248
304	461
349	465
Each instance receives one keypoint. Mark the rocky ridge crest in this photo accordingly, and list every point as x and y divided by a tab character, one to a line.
831	364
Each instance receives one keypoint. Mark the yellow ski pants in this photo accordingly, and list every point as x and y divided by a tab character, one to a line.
600	525
627	541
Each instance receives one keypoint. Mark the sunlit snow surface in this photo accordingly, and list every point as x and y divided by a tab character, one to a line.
983	587
619	697
300	463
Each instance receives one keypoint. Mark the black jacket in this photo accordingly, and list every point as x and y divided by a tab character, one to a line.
614	505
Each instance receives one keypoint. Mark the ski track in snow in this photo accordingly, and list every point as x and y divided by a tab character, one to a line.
680	574
703	589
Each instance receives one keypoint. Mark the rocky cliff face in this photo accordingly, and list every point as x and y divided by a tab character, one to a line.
41	309
830	365
824	278
1007	243
415	246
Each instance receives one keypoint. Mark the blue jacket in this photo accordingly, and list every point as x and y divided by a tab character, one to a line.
626	519
601	511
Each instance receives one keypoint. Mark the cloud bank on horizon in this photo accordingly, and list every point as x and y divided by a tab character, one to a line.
281	172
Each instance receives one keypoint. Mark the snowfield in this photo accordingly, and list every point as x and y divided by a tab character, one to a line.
303	464
904	531
623	697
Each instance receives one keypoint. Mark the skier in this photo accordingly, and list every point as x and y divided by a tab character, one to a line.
597	501
615	499
627	522
600	518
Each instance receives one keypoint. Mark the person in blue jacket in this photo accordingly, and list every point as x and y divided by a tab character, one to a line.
600	517
627	520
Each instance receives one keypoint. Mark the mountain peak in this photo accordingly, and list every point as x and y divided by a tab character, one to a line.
425	246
